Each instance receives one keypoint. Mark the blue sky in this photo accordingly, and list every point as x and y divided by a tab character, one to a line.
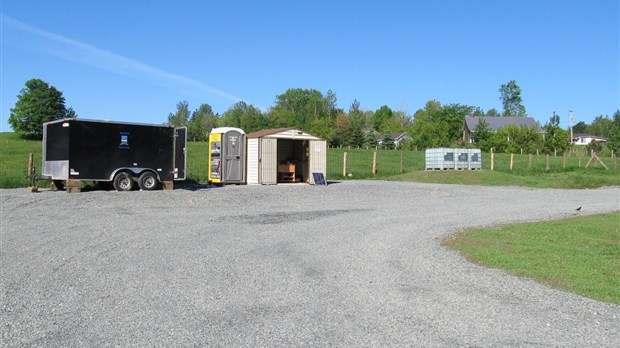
134	60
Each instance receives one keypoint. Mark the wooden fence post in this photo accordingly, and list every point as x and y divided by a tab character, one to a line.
529	162
344	164
401	163
374	163
512	161
492	160
615	162
30	162
548	162
31	174
564	161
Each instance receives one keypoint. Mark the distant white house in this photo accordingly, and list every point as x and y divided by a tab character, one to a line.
585	139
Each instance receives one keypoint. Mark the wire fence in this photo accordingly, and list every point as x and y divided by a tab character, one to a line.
363	163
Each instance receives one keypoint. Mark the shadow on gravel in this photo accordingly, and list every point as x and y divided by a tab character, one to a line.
192	186
295	216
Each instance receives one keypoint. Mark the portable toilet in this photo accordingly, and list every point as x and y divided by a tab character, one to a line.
227	156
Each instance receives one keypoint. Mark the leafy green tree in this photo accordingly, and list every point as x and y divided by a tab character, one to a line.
580	127
382	118
244	116
324	128
477	112
482	135
510	95
513	139
252	119
36	104
423	128
439	126
71	113
613	141
341	130
181	116
500	139
453	118
556	139
601	126
200	124
594	145
402	120
493	113
299	107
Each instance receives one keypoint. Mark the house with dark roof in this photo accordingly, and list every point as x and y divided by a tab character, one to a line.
494	123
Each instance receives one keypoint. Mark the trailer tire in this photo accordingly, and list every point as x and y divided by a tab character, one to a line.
123	182
148	181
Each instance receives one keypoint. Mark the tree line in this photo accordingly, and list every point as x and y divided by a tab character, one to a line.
434	125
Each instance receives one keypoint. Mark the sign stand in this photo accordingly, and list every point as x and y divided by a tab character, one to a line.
319	179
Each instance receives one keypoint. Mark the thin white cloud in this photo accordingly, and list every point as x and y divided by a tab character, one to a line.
86	54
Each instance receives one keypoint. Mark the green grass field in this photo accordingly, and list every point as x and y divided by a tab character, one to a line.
14	160
569	174
580	255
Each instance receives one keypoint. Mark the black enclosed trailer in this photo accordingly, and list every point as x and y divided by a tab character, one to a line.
125	154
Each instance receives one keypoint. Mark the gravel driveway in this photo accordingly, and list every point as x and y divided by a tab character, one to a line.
352	264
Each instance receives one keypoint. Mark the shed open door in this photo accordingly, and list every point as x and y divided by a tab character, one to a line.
268	161
318	157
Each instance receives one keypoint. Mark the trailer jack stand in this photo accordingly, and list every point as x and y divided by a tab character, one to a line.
32	174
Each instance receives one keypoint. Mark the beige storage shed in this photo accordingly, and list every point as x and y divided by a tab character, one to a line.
284	155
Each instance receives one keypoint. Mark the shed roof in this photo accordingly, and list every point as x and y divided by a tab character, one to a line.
495	123
282	133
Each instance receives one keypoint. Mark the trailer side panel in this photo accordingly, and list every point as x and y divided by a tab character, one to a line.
98	149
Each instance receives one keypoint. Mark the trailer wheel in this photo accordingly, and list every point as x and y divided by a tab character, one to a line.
148	181
123	182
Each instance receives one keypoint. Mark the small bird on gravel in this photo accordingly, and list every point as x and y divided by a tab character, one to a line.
578	209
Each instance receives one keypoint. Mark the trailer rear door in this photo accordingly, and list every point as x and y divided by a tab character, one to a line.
180	152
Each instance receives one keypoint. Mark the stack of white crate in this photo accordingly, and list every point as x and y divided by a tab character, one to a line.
451	158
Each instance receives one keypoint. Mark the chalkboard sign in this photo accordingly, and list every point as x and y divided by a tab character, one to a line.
319	179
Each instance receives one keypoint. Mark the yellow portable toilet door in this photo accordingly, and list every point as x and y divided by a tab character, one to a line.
215	158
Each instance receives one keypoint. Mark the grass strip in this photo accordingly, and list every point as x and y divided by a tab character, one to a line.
580	255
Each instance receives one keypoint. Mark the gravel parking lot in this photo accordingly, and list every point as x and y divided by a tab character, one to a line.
352	264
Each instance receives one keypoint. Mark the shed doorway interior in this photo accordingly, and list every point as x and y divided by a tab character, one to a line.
293	164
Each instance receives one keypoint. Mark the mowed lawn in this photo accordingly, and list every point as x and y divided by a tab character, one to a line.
580	255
